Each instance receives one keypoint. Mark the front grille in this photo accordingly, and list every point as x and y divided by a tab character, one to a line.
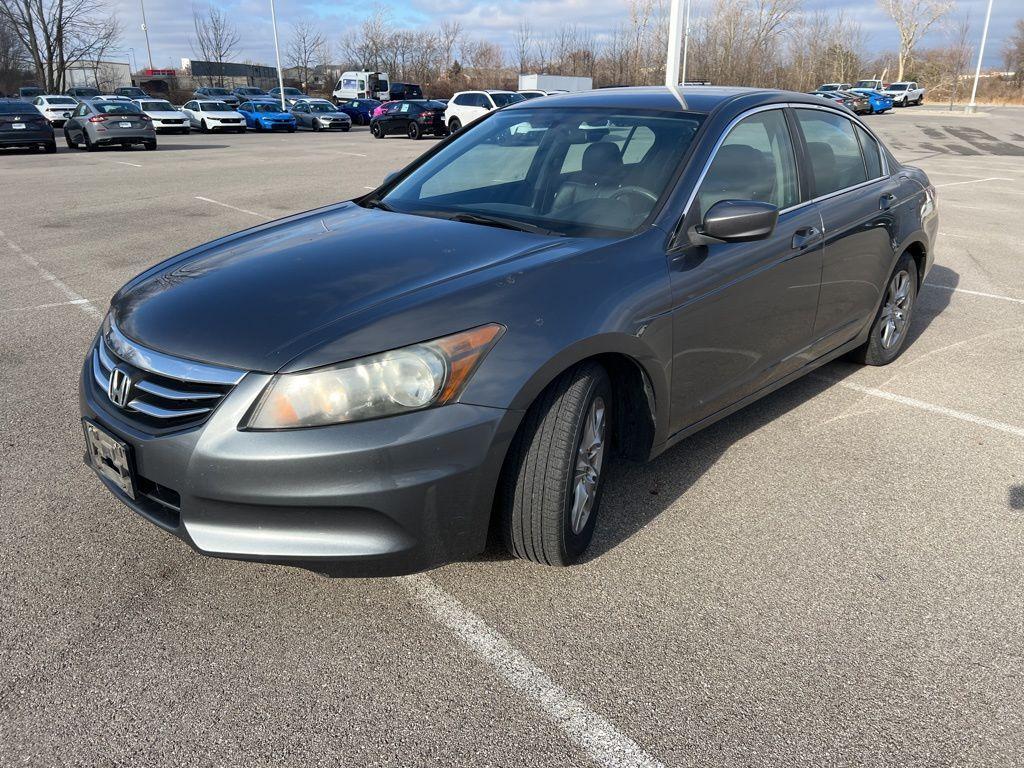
162	393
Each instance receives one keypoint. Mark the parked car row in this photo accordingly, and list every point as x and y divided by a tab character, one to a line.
902	94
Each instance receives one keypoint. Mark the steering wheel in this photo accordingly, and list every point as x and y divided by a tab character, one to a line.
634	190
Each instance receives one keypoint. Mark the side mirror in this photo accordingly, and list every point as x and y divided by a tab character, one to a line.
737	221
389	178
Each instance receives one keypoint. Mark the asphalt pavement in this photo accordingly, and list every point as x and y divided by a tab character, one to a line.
832	576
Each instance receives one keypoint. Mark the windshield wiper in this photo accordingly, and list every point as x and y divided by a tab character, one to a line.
499	221
376	203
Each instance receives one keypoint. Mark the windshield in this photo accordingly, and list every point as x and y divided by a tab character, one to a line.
86	92
265	108
291	92
30	91
218	91
569	172
116	108
158	106
249	91
898	87
216	106
504	99
322	106
829	87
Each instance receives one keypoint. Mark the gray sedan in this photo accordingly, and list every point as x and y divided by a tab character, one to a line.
96	124
319	114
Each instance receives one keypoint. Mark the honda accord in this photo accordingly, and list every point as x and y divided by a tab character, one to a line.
372	386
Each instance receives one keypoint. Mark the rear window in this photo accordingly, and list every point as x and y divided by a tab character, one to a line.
12	108
67	100
117	108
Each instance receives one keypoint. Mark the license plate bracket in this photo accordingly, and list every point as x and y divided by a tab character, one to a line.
110	457
125	124
18	126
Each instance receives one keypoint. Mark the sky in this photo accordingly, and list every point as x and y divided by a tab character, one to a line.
171	32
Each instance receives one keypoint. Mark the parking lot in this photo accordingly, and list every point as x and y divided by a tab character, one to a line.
832	576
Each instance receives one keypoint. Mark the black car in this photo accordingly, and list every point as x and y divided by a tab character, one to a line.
82	93
22	125
217	94
377	384
131	92
855	102
30	92
405	91
413	118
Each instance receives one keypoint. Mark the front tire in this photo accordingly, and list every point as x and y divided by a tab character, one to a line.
376	131
455	125
552	481
414	131
70	142
888	336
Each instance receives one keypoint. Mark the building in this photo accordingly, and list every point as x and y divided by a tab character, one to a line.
227	74
105	75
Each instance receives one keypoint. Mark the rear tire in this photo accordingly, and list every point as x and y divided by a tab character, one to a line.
89	146
376	131
150	145
50	147
888	336
551	484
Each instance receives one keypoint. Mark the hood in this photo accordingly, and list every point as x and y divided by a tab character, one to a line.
167	115
259	298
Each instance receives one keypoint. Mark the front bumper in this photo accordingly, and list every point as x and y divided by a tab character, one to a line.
278	125
388	496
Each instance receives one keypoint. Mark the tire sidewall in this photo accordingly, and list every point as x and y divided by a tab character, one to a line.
574	544
875	353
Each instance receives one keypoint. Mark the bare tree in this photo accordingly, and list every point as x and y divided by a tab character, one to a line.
57	33
216	41
304	49
448	40
522	41
913	20
1013	53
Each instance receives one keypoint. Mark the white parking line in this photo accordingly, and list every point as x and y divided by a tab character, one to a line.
123	162
46	306
369	187
931	407
972	181
232	207
976	293
79	301
601	740
352	154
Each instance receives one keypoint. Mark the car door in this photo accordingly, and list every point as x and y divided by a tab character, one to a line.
403	115
856	197
744	311
75	127
302	115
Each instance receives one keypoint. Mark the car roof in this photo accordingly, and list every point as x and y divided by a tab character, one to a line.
693	98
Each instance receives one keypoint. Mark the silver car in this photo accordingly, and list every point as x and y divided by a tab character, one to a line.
319	114
96	124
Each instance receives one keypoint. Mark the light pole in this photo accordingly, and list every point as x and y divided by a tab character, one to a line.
686	39
145	29
972	107
674	40
277	55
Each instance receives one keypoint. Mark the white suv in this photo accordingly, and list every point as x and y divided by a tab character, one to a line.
904	94
466	106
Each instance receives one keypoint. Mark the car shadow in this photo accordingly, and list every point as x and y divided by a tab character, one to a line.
635	494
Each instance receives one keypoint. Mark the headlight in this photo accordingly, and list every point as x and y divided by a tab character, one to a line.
402	380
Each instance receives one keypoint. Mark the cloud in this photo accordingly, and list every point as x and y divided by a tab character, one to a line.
171	32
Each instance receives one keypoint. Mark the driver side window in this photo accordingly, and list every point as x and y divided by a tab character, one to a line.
755	162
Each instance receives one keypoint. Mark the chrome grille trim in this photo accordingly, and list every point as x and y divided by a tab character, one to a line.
164	413
165	365
169	399
173	394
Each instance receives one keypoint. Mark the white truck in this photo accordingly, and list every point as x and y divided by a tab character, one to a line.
874	85
555	83
362	84
904	94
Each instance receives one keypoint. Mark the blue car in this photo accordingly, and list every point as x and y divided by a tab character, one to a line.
266	115
879	101
360	110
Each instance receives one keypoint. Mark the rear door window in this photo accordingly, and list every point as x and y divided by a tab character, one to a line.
832	149
872	156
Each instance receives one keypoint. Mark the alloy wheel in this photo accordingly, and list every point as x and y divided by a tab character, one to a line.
589	460
896	311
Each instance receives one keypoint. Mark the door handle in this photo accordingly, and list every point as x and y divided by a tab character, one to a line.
885	201
804	236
